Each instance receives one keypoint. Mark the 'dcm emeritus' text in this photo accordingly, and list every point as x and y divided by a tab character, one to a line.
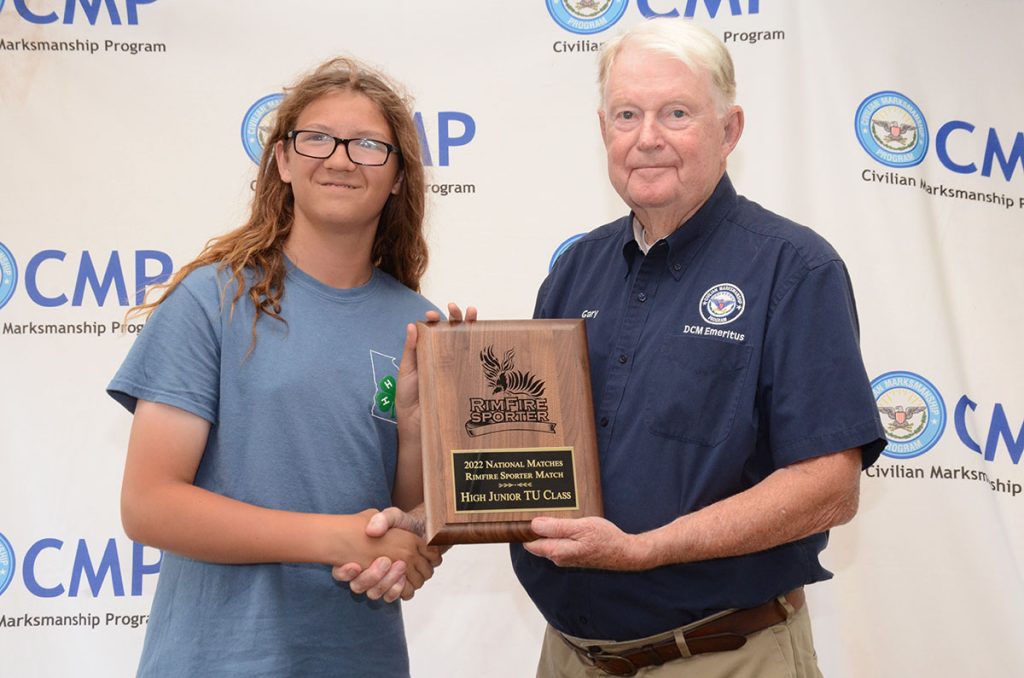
80	620
83	46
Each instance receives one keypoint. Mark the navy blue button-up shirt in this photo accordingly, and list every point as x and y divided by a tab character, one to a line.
728	351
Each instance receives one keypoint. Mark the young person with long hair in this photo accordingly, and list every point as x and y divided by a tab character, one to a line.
263	389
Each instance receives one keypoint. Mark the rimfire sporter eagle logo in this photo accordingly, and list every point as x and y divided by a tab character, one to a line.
518	405
502	377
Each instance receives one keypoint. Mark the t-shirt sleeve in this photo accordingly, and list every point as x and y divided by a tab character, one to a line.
817	394
176	358
539	309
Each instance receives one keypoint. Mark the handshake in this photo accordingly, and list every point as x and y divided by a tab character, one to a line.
406	561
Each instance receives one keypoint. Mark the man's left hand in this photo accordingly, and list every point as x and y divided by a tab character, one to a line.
588	542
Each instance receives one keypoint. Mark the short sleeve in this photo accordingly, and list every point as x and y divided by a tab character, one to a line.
815	390
539	310
176	358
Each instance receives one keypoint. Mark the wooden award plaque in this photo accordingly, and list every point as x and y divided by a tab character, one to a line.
508	428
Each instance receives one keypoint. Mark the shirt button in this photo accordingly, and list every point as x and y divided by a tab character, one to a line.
642	297
623	359
604	421
676	267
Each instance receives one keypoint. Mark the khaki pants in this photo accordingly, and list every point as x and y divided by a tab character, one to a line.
782	651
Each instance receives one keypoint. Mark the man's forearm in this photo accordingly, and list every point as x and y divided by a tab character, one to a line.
792	503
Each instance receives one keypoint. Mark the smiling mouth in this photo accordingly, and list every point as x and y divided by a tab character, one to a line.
337	185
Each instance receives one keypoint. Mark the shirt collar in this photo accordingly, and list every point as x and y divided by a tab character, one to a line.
683	243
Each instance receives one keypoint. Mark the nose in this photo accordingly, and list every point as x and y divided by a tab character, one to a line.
339	160
649	136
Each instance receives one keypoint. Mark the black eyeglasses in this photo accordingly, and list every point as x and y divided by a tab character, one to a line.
321	145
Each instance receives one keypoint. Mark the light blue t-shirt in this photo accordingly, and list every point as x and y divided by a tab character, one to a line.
305	422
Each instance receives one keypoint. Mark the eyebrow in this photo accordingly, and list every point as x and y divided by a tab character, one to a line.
360	134
674	103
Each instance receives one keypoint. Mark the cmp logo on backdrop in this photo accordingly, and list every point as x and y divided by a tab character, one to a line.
912	412
892	129
6	552
90	9
258	123
586	16
593	16
86	569
8	267
46	285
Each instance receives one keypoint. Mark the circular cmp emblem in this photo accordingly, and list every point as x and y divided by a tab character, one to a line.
722	304
257	124
8	275
912	411
6	563
892	129
586	16
562	248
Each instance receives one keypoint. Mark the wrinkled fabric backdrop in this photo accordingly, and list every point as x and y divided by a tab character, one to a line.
893	129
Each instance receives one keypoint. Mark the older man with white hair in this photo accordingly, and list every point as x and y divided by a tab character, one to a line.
733	411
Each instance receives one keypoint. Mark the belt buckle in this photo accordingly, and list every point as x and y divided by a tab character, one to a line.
614	664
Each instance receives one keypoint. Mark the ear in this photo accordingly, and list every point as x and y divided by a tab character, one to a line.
281	156
398	182
733	121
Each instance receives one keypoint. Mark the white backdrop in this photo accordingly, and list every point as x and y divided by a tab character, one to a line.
105	152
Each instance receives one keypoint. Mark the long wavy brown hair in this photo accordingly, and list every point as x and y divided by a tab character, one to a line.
258	245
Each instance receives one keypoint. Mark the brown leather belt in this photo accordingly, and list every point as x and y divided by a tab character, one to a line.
728	632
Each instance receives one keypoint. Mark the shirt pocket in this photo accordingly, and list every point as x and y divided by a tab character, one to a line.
696	388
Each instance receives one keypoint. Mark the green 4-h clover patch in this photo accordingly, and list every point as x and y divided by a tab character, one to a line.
385	398
385	373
